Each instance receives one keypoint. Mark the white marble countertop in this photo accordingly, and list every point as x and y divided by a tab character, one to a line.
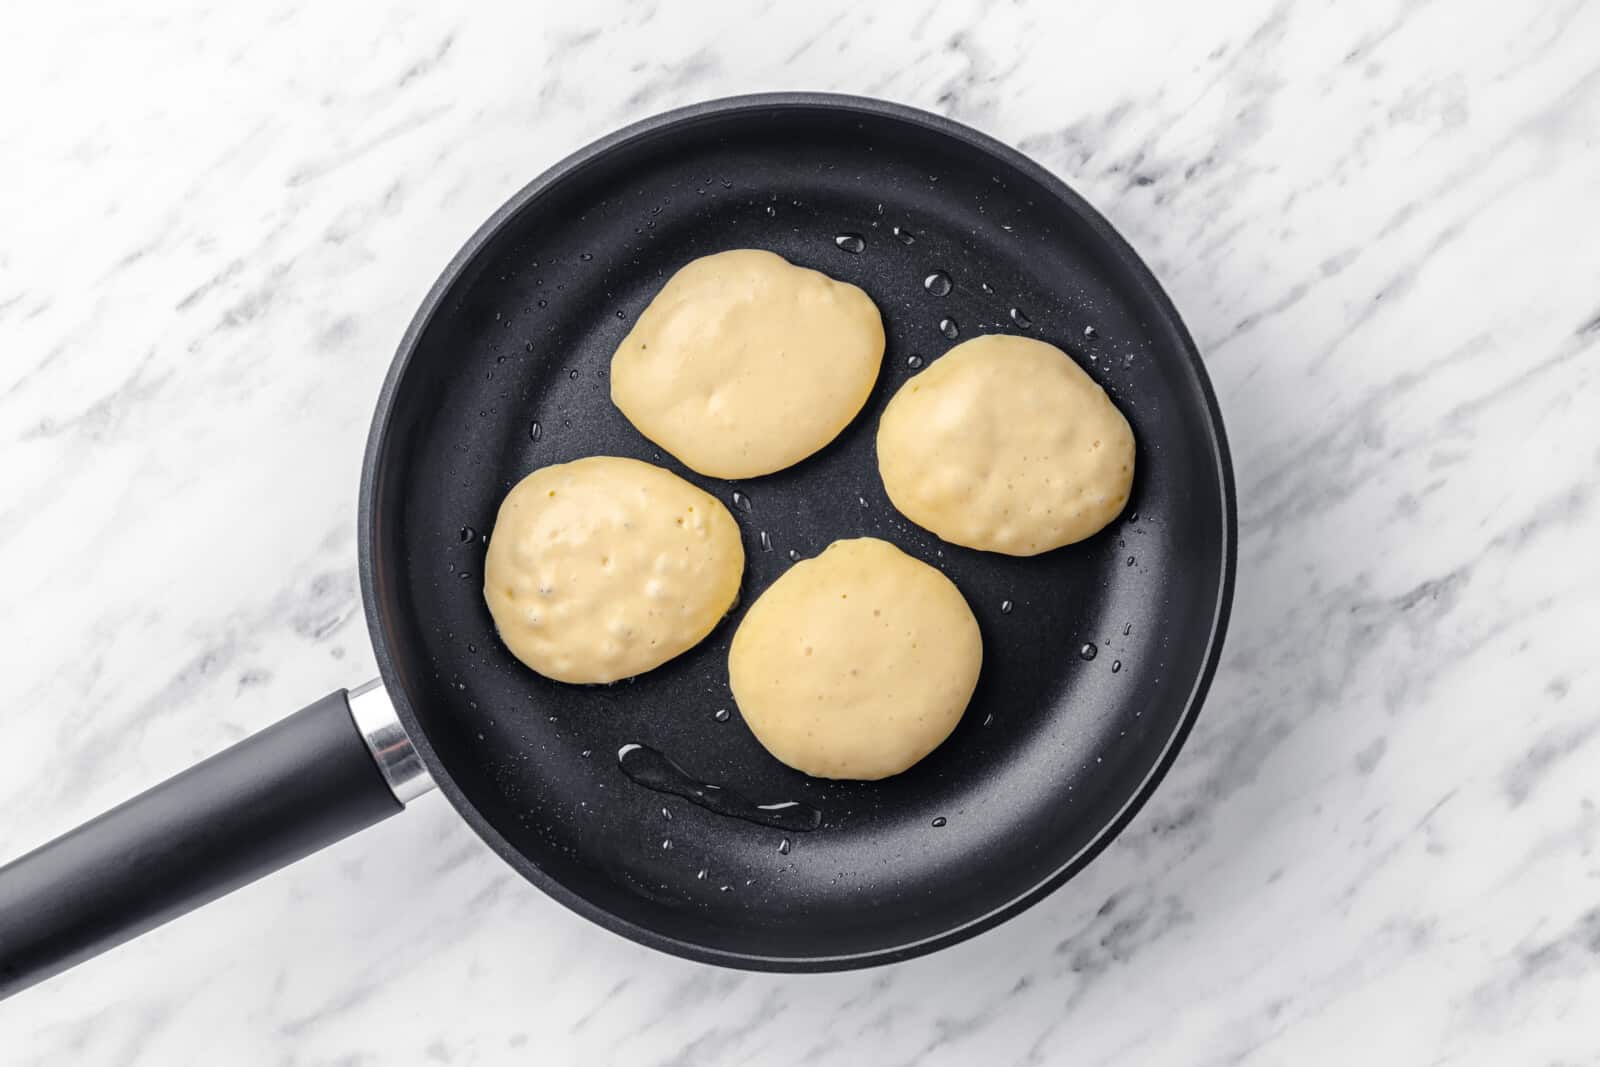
1381	844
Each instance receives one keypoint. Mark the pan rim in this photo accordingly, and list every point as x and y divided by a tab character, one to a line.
1112	242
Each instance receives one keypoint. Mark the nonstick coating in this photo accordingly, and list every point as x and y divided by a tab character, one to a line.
1056	750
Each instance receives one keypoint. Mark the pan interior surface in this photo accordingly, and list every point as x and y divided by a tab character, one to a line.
1095	656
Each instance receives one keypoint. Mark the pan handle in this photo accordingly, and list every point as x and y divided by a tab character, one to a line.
332	768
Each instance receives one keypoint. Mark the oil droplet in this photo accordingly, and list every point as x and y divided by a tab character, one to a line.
1020	317
850	242
949	328
1088	651
905	236
794	555
1005	607
533	432
741	501
466	533
940	821
783	847
766	542
914	361
651	769
1116	665
722	715
938	283
1090	333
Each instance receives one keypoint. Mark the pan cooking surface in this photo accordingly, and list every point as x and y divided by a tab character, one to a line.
1094	655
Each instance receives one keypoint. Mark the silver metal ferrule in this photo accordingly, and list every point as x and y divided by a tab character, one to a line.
386	739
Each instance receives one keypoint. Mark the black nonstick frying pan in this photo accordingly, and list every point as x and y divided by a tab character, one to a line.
1096	656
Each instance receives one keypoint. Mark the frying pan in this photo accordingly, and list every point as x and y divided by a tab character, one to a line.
1097	656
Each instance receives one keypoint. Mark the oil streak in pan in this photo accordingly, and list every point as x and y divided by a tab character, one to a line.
655	771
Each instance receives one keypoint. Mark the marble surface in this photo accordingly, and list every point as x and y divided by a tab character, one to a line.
1380	845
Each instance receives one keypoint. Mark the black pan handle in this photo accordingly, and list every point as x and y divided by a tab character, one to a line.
273	798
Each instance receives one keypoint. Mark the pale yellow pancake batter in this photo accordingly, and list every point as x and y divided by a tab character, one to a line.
1006	445
604	568
745	364
856	664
